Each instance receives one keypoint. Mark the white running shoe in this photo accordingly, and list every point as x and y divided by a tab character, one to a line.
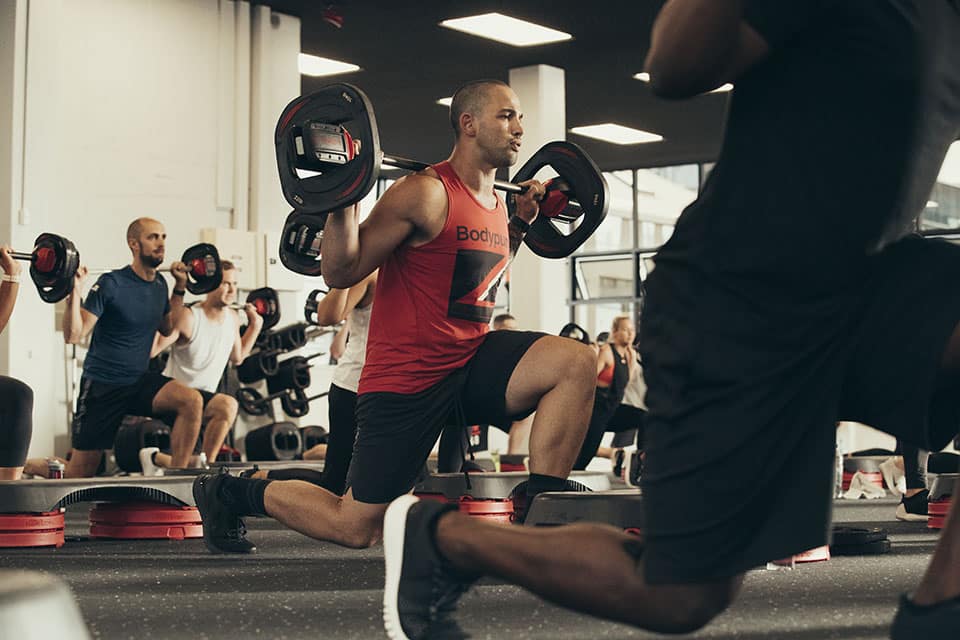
147	464
893	477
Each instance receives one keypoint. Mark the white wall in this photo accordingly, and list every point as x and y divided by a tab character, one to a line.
131	109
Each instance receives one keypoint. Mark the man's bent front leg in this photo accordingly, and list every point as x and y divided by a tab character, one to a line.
178	398
320	514
558	377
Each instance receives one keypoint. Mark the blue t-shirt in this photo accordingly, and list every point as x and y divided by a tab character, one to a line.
130	310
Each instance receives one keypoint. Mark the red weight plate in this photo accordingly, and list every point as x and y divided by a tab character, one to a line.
475	507
23	522
46	260
260	305
121	513
51	538
936	522
198	267
938	507
147	531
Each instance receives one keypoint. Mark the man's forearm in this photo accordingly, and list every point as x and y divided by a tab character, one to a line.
340	247
72	319
8	298
248	339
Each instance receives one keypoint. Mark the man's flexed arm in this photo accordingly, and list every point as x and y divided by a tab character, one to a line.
409	209
697	45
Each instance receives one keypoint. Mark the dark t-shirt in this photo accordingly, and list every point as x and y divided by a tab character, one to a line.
833	142
130	310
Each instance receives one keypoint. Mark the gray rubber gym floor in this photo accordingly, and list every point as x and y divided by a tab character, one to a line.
295	587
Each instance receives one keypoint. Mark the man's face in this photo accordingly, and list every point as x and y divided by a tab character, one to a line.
150	246
499	127
226	293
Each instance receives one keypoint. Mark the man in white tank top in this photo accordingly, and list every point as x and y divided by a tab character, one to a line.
205	336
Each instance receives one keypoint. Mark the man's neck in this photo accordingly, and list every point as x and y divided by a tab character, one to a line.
146	273
478	177
213	309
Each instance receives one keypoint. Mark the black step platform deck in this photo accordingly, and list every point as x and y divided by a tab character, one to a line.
496	485
619	507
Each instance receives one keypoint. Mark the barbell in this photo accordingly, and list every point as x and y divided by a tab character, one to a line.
266	303
54	262
332	133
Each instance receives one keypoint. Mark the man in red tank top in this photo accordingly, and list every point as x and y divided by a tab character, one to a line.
442	241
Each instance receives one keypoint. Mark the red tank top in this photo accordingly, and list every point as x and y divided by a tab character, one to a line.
434	302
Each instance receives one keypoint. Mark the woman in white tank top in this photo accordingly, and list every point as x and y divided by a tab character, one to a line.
354	305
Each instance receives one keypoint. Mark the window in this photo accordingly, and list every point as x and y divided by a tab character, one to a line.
943	205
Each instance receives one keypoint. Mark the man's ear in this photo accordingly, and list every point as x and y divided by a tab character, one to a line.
468	125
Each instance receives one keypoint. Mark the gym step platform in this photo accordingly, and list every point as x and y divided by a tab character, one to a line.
453	486
45	496
621	508
236	468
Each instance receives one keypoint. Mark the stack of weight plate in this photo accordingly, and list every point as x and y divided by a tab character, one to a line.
855	541
31	529
144	520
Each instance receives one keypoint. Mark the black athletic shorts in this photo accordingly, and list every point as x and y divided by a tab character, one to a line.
395	432
101	407
627	425
746	381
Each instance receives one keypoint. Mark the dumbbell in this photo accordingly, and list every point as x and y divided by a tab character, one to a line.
296	404
255	404
292	337
258	365
310	307
263	363
292	373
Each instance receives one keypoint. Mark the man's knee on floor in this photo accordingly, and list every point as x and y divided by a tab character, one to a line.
696	605
360	524
361	534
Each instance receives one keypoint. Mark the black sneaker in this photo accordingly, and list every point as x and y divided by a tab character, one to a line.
223	530
422	589
618	462
914	621
914	508
633	469
522	501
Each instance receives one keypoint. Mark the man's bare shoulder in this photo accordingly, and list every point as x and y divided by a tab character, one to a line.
420	197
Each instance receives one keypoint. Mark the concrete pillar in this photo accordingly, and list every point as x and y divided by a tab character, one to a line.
539	287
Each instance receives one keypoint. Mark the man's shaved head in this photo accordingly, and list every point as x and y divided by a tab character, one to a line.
136	227
471	98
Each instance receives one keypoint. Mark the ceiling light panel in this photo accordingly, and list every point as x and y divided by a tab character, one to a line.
316	66
512	31
616	133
